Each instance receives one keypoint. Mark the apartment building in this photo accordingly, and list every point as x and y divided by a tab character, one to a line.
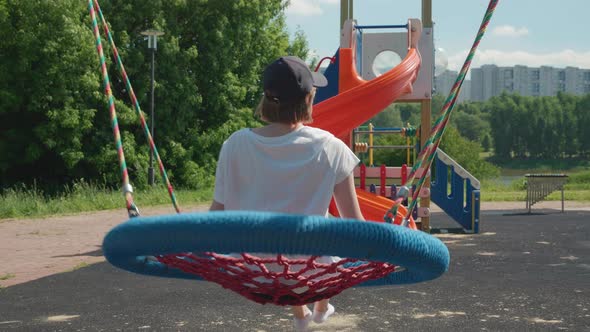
491	80
444	82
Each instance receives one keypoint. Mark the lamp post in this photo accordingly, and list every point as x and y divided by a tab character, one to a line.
152	36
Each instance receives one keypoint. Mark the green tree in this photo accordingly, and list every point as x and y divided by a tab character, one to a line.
470	126
410	113
49	90
466	154
569	124
583	119
54	123
554	138
300	47
500	109
390	156
388	118
471	122
486	143
208	66
437	104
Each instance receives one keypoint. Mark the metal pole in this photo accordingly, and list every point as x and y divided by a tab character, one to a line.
346	13
151	168
426	114
371	144
562	200
427	13
152	37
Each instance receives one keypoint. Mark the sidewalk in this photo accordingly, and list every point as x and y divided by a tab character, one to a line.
515	206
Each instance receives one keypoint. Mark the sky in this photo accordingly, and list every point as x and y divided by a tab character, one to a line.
522	32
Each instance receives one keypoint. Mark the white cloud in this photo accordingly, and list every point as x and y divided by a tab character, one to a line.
558	59
510	31
304	7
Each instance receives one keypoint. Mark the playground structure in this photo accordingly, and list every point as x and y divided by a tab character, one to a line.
195	246
358	90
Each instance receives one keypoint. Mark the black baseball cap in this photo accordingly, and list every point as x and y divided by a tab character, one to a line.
288	78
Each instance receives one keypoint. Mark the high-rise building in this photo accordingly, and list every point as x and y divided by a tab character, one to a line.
444	82
491	80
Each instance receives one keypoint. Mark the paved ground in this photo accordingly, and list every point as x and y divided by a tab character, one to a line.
522	273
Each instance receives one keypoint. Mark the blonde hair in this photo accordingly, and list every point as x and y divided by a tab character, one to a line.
272	110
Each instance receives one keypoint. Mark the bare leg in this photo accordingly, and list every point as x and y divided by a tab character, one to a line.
302	317
321	306
322	310
300	311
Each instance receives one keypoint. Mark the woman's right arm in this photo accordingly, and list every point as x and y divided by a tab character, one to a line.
346	199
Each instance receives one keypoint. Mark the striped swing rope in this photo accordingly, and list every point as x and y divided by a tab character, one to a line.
94	7
426	156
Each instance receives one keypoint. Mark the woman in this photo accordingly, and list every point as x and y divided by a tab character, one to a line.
287	166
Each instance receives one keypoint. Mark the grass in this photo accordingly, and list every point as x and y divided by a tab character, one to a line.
79	266
533	165
21	202
577	188
7	276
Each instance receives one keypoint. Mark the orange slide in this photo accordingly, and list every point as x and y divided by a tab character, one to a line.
360	100
357	102
374	208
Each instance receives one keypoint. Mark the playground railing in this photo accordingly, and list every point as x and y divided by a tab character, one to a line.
456	192
539	186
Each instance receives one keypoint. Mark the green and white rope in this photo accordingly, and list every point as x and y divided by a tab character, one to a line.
132	209
428	153
95	7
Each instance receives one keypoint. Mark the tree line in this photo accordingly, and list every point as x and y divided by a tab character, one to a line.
539	127
521	127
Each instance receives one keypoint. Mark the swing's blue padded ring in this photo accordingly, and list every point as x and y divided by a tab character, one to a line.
129	244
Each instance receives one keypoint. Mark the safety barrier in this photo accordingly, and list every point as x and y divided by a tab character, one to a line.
539	186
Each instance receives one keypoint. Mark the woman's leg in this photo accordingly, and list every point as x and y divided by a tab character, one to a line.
321	306
322	310
300	311
302	317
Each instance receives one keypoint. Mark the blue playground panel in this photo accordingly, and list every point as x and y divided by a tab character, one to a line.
466	213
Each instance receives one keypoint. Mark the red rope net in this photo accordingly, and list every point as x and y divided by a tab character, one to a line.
278	279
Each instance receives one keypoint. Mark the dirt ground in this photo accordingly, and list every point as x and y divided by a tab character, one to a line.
34	248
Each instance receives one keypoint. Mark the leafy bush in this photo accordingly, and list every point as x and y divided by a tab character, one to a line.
466	154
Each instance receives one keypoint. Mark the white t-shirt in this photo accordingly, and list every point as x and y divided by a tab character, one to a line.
294	173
